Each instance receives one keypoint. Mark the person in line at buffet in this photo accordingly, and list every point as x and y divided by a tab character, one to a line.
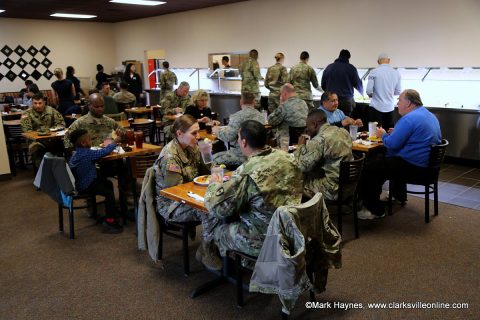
408	149
267	180
342	77
250	73
228	134
319	158
335	116
167	80
301	75
275	78
383	83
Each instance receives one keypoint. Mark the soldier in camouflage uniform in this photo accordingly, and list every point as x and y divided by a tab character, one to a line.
267	180
175	102
98	126
250	73
229	134
40	118
167	80
300	76
179	162
291	113
276	76
319	159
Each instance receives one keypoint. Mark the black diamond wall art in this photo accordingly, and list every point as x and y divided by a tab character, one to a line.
32	50
8	63
47	74
1	76
34	62
45	51
19	50
24	75
10	76
46	63
6	50
36	75
21	63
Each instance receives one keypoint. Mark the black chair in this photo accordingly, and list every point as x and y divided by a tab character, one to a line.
17	146
179	230
159	125
350	172
295	133
429	180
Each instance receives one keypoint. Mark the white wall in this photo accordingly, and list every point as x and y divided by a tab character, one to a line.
80	44
414	32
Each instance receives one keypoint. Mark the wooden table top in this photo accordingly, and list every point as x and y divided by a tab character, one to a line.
146	148
171	117
139	110
203	134
77	116
126	124
180	193
366	148
33	135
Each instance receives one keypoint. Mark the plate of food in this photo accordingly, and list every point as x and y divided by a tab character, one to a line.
374	139
202	180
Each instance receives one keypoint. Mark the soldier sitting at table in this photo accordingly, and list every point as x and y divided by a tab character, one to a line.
40	117
320	157
234	157
268	179
175	102
95	122
83	168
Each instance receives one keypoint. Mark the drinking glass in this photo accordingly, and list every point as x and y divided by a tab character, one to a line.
353	131
138	139
206	151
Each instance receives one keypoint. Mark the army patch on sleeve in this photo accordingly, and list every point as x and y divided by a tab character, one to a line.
174	168
220	191
304	151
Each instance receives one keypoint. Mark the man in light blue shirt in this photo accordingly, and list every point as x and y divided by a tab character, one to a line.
383	83
335	116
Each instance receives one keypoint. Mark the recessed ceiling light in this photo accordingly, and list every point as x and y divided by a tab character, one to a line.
139	2
2	10
71	15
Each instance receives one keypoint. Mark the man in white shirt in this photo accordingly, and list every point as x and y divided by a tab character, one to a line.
383	83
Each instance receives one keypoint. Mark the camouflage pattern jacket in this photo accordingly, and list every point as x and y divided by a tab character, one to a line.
175	166
292	113
275	78
34	121
167	80
319	159
98	128
300	77
230	133
250	73
267	180
171	101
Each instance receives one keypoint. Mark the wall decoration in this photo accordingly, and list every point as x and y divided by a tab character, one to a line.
24	62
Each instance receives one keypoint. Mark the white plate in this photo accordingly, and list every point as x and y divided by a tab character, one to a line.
202	180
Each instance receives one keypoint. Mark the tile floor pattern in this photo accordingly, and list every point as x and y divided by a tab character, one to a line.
458	185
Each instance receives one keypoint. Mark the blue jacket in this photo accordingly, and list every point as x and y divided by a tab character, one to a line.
341	77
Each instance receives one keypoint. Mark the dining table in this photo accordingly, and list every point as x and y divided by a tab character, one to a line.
139	111
127	123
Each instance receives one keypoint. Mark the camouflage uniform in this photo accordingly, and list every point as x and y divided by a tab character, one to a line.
300	77
250	73
124	96
175	166
320	160
267	180
34	121
292	113
167	80
98	128
234	156
169	102
275	78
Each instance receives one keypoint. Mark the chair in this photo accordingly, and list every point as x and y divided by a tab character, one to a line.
17	146
295	133
139	165
159	125
350	172
146	128
179	230
55	178
117	116
429	180
122	106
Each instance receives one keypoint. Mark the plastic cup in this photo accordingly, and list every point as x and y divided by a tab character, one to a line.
217	170
372	128
208	127
138	139
353	131
206	151
130	135
284	141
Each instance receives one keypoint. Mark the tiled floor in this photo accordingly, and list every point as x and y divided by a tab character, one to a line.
458	185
